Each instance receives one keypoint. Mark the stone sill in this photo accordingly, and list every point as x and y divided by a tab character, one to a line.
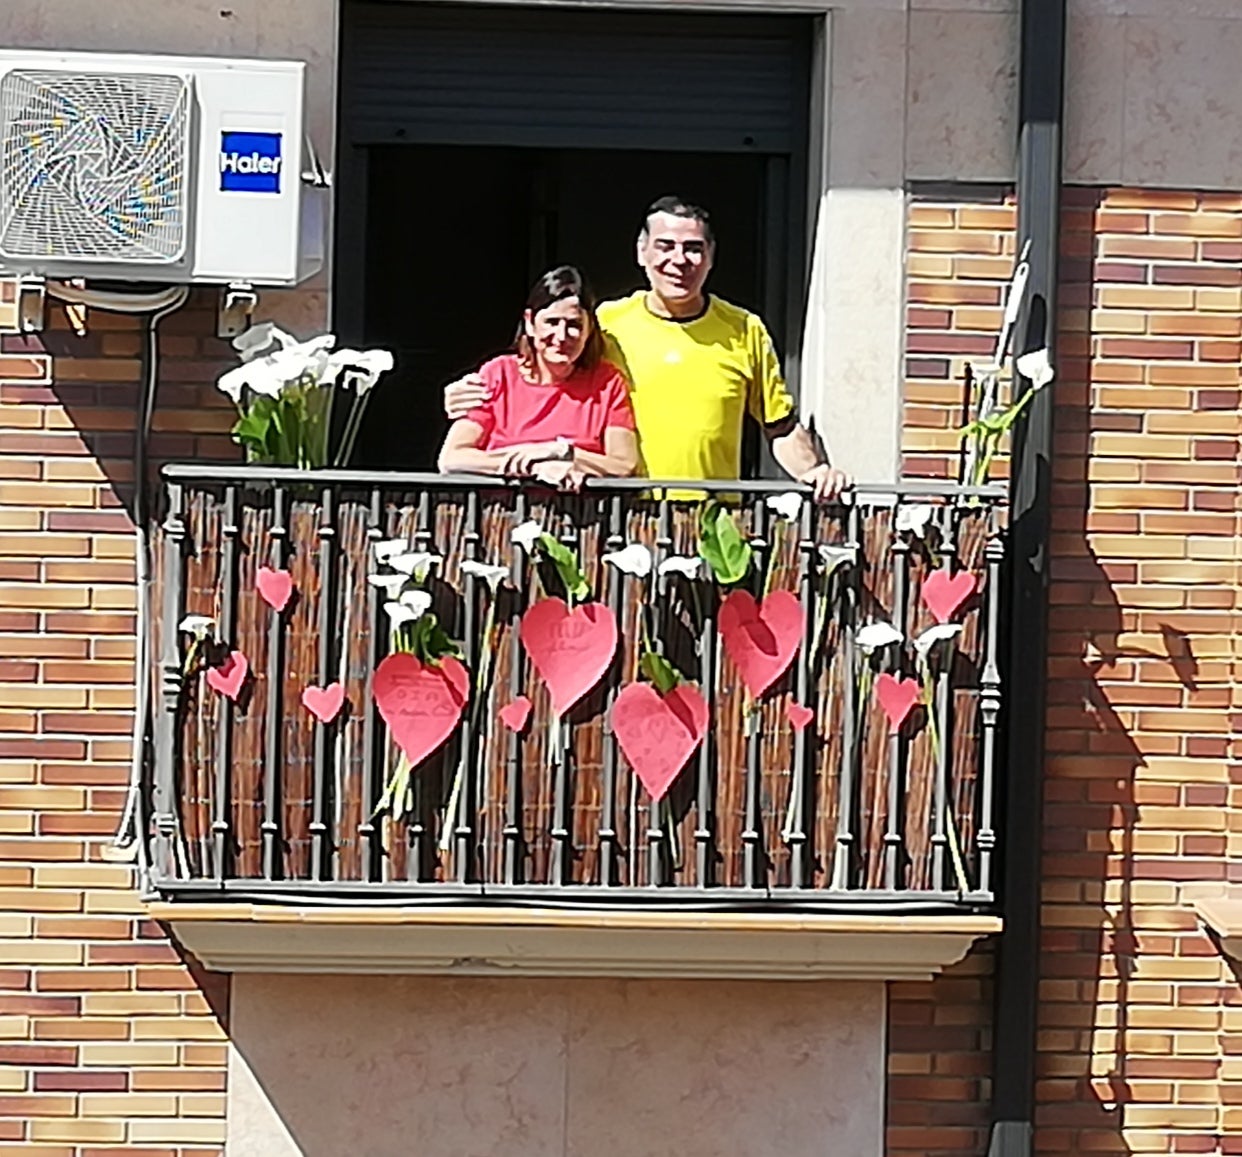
467	941
1219	909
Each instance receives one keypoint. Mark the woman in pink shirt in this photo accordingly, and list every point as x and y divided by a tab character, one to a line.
555	411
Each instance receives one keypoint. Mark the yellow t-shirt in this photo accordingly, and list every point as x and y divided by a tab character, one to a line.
691	382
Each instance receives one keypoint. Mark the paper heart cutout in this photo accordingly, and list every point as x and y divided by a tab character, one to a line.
324	703
514	715
571	650
943	593
229	678
898	697
421	704
659	735
761	638
798	715
275	587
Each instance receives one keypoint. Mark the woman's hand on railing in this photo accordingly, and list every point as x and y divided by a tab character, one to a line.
464	395
523	459
562	475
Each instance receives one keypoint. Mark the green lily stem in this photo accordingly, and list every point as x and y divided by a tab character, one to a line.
933	733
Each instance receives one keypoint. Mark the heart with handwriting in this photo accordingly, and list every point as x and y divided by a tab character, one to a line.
898	696
943	594
761	638
420	704
571	650
658	734
275	587
229	677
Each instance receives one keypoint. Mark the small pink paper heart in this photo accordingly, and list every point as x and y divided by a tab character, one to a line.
229	678
898	697
324	703
514	715
944	593
798	715
275	587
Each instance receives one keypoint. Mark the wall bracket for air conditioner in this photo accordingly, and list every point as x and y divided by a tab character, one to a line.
238	301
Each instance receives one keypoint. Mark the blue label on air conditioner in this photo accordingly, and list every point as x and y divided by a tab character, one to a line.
250	162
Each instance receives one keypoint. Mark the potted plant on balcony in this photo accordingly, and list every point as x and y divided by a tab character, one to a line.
284	392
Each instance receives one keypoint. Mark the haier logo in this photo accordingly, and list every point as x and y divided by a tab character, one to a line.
250	162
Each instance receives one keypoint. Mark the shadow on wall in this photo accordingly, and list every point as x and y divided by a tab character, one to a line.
383	1066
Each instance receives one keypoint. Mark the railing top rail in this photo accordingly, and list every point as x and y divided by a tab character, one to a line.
399	479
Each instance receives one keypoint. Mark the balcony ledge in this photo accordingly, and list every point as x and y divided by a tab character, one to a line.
1219	909
471	941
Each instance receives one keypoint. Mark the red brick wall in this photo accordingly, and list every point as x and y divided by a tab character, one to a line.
107	1043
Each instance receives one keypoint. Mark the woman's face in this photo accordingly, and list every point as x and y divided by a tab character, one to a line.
559	333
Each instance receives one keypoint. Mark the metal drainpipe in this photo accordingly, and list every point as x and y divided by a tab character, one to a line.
1042	79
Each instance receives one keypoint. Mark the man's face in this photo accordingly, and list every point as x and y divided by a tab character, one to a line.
676	256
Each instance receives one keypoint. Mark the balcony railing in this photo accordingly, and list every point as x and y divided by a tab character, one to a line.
256	799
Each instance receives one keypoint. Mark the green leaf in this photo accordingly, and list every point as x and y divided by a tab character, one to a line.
721	544
659	671
430	642
567	566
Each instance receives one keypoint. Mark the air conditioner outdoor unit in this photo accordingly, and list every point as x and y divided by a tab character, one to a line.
171	169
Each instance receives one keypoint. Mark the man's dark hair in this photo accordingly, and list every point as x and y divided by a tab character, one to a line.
679	207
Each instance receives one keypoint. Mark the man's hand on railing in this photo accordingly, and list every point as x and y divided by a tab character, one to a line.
464	395
826	481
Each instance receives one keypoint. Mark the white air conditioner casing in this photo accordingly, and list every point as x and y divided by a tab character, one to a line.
171	169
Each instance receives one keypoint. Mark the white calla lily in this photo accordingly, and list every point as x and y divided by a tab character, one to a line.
683	564
359	369
788	505
259	339
271	373
527	535
390	584
388	547
940	633
635	559
914	518
415	562
1036	366
418	601
876	635
200	626
491	574
834	556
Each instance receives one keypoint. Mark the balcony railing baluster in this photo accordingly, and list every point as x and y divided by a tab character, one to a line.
865	819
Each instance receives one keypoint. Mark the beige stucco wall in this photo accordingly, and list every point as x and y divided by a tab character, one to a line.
377	1066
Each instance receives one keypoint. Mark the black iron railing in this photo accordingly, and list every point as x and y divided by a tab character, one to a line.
809	796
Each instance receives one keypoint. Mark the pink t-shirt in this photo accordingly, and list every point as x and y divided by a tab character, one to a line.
580	408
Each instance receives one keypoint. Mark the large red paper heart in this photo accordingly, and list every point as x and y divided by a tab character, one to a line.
324	703
659	735
798	715
570	650
229	678
898	697
761	638
944	593
421	705
275	586
514	715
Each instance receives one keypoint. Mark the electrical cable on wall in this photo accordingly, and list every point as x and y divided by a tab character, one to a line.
153	307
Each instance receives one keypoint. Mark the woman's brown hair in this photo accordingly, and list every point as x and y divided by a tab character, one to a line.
556	285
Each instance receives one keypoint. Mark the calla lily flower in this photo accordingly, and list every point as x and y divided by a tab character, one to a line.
489	573
390	584
360	369
634	559
260	338
834	556
415	562
270	374
876	635
914	518
1037	367
940	633
527	535
682	564
788	506
418	601
200	626
408	609
388	547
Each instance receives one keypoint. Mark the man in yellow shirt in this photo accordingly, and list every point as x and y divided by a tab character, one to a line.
696	364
